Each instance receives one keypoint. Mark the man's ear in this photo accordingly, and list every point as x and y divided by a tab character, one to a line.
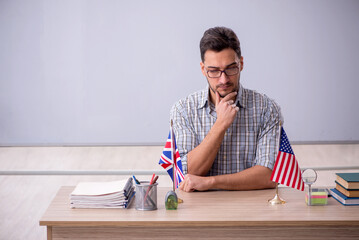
241	62
203	69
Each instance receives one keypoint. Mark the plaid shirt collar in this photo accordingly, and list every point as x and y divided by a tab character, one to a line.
240	99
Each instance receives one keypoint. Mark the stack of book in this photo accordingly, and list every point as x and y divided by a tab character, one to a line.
115	194
347	188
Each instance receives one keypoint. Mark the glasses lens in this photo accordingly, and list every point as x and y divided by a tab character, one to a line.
231	71
214	73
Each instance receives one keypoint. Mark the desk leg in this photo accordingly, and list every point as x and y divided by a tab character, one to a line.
49	233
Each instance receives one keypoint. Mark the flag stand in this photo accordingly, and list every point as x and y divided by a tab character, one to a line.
276	199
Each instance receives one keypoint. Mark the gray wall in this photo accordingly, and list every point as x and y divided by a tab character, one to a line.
108	72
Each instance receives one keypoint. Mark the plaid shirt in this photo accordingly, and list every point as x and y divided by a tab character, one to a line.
252	139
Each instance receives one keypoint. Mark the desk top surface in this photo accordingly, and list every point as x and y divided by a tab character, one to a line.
217	208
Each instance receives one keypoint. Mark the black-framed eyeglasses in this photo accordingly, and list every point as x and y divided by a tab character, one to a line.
218	73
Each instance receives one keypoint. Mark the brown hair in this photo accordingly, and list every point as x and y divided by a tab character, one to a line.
219	38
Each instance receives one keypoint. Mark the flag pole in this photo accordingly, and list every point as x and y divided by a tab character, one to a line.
277	200
173	158
174	168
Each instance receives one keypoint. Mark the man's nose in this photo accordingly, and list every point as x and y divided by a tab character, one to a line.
223	78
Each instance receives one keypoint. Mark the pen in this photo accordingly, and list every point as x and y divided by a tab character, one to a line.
136	181
155	180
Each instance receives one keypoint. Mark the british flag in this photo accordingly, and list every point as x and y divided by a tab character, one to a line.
286	170
169	153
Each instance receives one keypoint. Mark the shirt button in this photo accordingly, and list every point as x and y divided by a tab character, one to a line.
225	157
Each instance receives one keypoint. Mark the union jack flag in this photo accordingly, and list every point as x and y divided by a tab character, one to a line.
286	169
169	153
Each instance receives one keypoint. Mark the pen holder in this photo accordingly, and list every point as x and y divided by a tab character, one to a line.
146	196
316	196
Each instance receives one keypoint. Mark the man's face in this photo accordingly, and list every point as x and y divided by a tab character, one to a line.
225	60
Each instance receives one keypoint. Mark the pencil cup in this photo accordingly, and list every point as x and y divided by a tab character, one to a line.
146	196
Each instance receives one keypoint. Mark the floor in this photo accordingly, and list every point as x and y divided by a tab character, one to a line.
24	198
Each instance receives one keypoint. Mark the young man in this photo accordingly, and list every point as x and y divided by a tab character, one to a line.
227	135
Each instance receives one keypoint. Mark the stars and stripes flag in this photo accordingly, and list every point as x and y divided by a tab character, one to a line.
170	159
286	170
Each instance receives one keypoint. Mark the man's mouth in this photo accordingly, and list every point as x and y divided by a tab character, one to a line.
224	86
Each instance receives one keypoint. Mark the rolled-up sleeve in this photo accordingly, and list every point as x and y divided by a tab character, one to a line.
269	134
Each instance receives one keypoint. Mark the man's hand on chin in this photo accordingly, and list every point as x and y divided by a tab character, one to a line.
193	182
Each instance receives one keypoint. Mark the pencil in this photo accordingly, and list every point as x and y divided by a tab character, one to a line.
148	189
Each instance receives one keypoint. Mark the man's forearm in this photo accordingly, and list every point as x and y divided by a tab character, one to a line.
201	158
257	177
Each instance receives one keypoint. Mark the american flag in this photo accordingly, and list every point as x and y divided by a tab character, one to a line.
169	153
286	170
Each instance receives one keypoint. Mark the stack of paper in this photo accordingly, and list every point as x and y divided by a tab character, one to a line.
116	194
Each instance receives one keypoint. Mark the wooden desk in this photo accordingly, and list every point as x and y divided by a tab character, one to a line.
207	215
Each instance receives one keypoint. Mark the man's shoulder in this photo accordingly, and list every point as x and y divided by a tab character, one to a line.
262	105
193	100
252	96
